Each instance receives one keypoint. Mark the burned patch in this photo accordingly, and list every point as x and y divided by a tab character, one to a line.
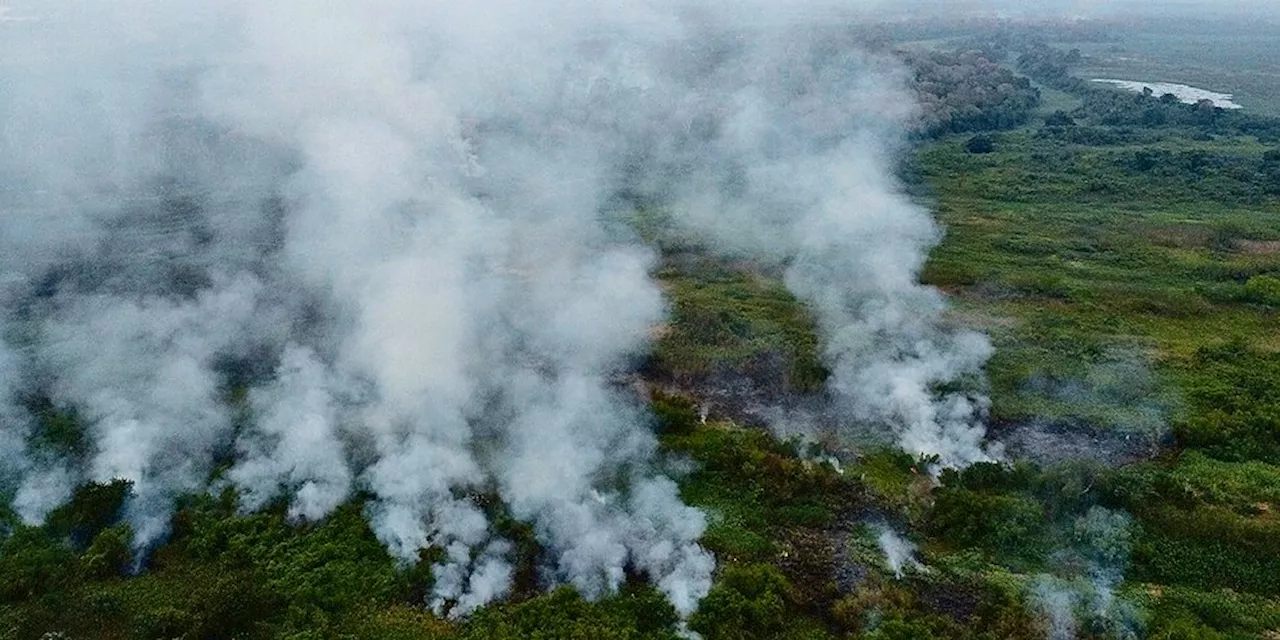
1053	442
757	393
808	556
958	600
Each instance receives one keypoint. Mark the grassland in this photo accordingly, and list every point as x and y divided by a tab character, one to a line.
1130	287
1069	255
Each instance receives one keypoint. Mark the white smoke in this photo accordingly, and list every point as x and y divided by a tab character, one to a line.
40	481
1106	537
389	223
899	552
1057	600
781	153
140	373
295	445
14	423
1102	543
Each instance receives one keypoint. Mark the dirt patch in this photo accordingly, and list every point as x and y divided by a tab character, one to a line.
1180	237
756	393
960	601
1258	247
1049	443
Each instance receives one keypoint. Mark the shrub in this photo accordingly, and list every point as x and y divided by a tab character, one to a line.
1264	290
108	555
980	144
676	414
748	602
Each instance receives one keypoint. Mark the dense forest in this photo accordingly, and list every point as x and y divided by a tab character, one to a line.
1123	252
966	91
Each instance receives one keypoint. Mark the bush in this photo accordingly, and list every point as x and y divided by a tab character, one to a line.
33	564
1264	290
980	144
1233	397
1008	526
93	508
676	414
1059	118
636	613
108	556
748	602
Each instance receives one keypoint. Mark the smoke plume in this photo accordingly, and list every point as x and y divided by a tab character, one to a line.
40	479
898	551
373	247
1098	559
1057	600
781	151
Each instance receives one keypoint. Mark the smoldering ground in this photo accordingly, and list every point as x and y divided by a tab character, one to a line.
380	232
1114	411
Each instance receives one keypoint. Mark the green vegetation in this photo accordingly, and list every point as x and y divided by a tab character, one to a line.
750	484
728	317
1122	255
729	321
966	91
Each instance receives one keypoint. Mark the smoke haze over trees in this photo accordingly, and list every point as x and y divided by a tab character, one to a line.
314	253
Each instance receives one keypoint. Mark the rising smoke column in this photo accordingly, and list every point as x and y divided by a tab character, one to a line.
1083	593
284	198
781	146
478	296
387	223
295	445
1057	601
898	551
140	373
40	479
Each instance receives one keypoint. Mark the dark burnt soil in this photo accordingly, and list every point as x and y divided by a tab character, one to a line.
1052	442
960	601
809	558
756	394
818	561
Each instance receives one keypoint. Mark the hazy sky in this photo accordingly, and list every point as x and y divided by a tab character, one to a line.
26	10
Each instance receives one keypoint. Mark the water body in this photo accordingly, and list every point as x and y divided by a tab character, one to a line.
1185	93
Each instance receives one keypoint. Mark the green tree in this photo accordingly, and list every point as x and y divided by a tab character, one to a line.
980	144
108	555
33	564
748	602
1059	118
